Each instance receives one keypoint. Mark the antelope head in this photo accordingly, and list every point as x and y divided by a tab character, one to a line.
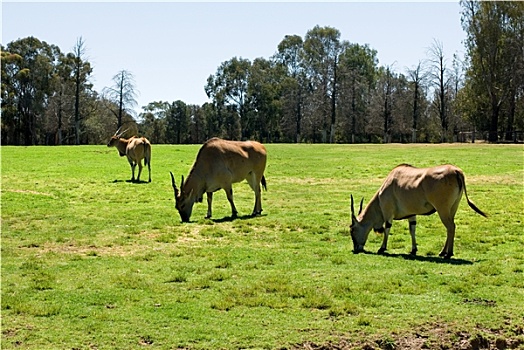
114	139
183	201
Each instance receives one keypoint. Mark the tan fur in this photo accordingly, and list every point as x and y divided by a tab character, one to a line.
136	149
408	191
218	165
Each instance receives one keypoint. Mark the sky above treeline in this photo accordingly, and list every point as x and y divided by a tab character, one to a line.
171	48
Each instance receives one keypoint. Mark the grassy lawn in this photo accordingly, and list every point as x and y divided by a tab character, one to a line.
91	261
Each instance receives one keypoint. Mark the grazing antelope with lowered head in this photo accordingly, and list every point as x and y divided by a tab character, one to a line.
409	191
136	149
219	164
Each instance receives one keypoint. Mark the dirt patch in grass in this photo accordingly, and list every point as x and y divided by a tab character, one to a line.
507	179
89	250
32	192
434	336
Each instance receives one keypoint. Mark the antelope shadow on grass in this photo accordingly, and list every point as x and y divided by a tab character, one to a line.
129	181
232	218
228	219
432	259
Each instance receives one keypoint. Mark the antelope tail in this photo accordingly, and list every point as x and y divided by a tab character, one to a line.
147	153
263	182
462	183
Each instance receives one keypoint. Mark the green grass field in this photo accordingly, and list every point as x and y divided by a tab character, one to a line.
90	261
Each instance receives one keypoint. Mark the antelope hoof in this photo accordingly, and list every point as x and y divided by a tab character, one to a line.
381	250
413	252
446	255
358	249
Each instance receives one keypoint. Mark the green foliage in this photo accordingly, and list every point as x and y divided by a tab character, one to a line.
495	72
319	88
92	261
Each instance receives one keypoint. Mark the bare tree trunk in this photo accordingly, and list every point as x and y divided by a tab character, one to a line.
79	51
299	115
353	111
333	103
493	129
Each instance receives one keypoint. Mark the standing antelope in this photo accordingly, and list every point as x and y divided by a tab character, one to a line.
407	192
136	149
219	164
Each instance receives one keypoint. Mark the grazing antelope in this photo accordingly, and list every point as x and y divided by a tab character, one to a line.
136	149
407	192
219	164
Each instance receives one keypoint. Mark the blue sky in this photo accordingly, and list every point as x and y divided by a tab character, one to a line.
172	47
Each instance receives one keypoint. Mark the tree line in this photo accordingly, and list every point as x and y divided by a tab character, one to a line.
316	88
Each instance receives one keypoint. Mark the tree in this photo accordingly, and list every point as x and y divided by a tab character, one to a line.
98	126
228	90
122	95
81	71
197	124
72	92
322	48
177	123
293	85
58	104
28	67
211	121
10	64
154	121
264	90
417	79
358	71
494	47
387	88
439	77
457	121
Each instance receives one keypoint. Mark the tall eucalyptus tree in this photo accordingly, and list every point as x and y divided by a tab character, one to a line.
264	91
228	89
357	75
290	55
322	48
495	52
28	67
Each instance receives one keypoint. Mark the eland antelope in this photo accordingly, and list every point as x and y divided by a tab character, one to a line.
136	149
409	191
219	164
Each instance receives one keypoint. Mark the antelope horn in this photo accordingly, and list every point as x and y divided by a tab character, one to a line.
361	202
352	207
173	183
116	133
182	183
122	133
